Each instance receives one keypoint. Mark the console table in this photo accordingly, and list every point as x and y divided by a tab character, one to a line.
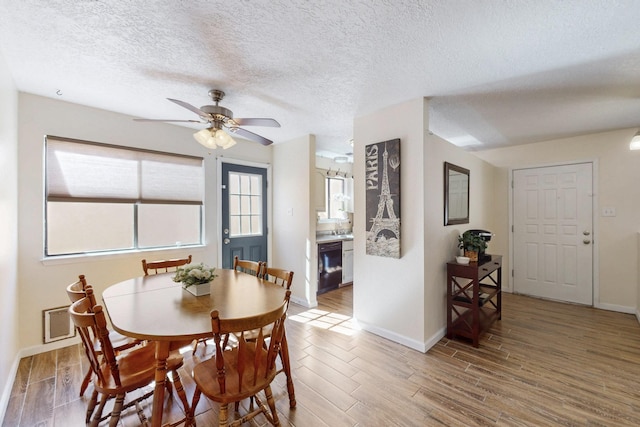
474	297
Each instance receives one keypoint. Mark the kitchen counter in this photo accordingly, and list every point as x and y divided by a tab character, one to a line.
333	238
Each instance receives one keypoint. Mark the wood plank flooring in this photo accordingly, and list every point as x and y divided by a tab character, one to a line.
543	364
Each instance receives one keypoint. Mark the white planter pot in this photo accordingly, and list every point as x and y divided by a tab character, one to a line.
198	290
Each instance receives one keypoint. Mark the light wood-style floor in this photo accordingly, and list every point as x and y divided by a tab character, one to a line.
543	364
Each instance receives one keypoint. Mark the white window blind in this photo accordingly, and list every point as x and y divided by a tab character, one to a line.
91	172
123	198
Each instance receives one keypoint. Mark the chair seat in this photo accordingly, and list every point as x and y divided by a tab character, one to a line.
205	376
136	368
121	342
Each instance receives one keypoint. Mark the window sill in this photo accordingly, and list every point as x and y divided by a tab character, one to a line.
73	259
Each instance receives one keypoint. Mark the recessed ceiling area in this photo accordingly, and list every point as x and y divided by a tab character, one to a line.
497	73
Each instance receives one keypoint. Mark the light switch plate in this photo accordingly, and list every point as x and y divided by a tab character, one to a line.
608	211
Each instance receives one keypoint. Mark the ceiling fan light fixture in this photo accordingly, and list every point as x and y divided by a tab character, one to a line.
635	142
213	138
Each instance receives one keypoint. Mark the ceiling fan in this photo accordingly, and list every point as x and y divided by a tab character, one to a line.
219	118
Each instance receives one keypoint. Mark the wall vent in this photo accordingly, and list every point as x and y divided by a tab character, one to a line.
57	324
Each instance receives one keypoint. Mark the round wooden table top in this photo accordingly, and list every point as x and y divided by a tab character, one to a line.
157	308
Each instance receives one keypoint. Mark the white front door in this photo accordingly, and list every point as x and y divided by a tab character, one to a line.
553	232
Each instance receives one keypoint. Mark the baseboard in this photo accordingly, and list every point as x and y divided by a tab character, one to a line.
303	302
6	393
618	308
26	352
422	347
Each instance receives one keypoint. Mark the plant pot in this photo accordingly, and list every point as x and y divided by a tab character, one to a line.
472	255
199	290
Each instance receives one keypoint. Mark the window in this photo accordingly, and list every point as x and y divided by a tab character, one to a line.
101	197
334	199
245	204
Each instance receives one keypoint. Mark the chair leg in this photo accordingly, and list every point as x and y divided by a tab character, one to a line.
85	382
223	415
169	387
194	403
98	414
284	356
117	409
272	405
91	406
182	395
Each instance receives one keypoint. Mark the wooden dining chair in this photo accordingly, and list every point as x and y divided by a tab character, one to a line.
278	276
78	290
245	370
164	266
250	267
117	375
283	278
245	266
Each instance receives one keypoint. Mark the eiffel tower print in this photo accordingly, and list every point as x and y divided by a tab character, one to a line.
383	235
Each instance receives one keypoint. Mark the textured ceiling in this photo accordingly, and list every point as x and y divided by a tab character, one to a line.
499	72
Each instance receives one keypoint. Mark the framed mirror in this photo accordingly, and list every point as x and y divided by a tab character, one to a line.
456	194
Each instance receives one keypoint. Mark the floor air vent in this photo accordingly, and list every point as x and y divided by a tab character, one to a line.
57	324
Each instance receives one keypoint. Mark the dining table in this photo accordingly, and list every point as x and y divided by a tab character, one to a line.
157	309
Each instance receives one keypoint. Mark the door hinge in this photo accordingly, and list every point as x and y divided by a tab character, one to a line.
512	229
512	273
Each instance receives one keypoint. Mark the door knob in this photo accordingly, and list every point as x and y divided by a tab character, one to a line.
586	232
586	241
226	241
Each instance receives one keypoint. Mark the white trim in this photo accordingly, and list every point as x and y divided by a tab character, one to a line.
219	161
595	231
422	347
26	352
617	308
101	256
6	393
302	302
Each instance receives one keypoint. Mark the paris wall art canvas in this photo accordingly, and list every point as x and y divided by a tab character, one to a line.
382	183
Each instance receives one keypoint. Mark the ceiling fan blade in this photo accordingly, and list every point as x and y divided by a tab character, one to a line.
257	122
169	120
250	135
189	107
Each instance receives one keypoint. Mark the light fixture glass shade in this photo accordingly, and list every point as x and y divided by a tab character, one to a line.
213	138
635	142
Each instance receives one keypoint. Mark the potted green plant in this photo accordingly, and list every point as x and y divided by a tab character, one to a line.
472	244
195	278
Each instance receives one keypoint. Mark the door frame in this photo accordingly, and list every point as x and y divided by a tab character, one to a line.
594	220
219	161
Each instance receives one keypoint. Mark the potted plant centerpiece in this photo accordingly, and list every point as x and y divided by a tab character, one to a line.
195	278
472	244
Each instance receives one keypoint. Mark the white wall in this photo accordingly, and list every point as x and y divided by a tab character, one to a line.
294	216
441	242
405	299
42	284
8	233
617	186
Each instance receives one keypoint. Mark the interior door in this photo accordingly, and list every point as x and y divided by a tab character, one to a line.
553	232
244	213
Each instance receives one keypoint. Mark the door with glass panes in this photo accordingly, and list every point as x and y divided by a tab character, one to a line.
244	213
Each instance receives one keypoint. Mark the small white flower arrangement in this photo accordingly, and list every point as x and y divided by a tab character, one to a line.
194	274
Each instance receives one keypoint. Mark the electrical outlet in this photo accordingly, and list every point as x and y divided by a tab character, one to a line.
608	211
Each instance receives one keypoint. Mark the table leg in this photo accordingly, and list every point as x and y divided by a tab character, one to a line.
162	354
